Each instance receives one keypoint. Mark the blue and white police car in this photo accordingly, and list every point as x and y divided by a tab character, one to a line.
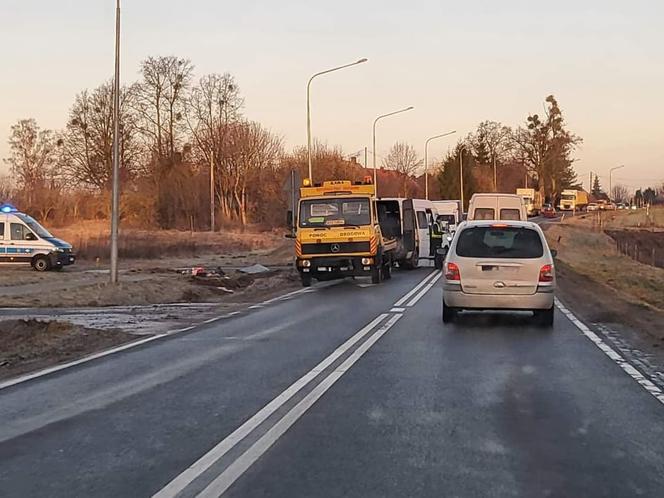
23	241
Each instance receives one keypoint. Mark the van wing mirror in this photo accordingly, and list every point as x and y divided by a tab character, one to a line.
554	253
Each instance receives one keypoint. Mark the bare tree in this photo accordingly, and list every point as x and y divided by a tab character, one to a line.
159	101
620	193
87	143
250	150
32	156
403	159
6	188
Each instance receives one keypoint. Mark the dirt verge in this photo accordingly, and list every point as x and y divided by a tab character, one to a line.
28	345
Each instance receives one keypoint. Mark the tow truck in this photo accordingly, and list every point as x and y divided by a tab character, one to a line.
337	233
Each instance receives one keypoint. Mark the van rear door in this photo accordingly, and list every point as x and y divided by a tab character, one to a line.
408	225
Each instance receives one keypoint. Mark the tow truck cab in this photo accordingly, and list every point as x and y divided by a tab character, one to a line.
338	233
23	241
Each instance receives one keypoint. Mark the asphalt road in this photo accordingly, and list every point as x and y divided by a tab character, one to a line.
347	390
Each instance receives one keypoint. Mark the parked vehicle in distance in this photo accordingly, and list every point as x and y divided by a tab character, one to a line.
548	211
499	266
592	207
622	205
449	211
573	200
23	241
532	200
497	207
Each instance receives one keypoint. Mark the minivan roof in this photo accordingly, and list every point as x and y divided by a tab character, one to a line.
502	223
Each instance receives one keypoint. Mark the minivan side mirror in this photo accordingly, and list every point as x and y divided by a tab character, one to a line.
554	253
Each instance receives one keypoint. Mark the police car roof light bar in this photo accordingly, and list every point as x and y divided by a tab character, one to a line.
7	208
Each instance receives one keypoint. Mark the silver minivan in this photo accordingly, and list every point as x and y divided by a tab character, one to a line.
499	265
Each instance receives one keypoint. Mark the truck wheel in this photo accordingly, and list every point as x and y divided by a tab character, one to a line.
376	274
306	280
41	263
387	270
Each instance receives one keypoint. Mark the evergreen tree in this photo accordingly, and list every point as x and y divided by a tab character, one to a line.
597	188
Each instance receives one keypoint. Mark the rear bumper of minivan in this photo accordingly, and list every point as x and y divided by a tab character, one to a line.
455	298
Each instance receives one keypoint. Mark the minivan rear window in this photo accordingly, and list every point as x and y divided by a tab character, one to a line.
499	242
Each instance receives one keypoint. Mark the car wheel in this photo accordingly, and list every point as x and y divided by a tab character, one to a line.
449	314
41	263
544	318
306	280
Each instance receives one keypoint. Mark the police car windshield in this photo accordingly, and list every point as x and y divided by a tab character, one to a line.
335	212
39	230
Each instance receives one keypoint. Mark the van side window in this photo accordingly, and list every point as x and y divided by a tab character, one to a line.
19	231
485	214
2	231
422	220
510	214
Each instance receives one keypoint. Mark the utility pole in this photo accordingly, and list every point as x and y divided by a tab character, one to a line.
461	175
212	191
115	202
366	157
495	175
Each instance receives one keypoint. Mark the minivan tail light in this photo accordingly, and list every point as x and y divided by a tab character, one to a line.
452	272
546	273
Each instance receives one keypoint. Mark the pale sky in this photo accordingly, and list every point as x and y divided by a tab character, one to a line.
458	63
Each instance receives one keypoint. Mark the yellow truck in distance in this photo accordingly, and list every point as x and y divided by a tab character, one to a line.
338	233
532	199
573	200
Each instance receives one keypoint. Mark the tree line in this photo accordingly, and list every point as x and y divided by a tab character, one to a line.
176	129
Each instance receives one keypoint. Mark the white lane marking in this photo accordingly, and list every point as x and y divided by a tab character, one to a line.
611	353
414	290
206	461
124	347
397	310
226	479
426	289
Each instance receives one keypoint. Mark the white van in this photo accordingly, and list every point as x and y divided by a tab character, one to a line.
450	212
23	241
507	207
410	222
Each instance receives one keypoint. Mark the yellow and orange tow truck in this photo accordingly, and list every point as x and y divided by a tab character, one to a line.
337	233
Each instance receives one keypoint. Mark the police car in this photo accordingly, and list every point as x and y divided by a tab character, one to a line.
23	241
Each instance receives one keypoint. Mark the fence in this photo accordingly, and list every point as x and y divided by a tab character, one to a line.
644	246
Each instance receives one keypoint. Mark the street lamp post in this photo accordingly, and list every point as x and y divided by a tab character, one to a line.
426	161
461	151
309	106
375	171
116	152
610	179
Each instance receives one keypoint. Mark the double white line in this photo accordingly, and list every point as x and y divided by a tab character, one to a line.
374	330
